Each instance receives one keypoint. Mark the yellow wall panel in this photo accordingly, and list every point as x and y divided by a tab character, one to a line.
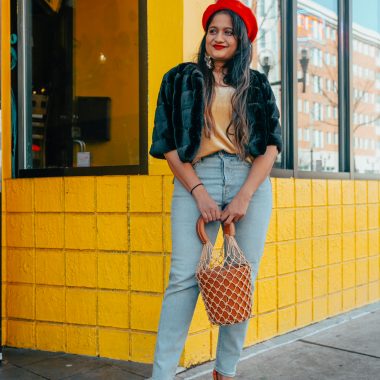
50	337
50	303
373	190
360	191
285	192
142	347
50	267
113	309
48	194
348	301
21	264
286	319
197	349
20	230
49	230
348	192
303	192
81	269
304	313
268	265
319	308
21	333
114	344
286	224
285	257
286	290
267	295
348	218
147	273
112	194
361	295
81	340
112	232
303	286
334	192
266	325
80	231
319	192
79	194
146	194
20	301
303	222
113	271
334	303
303	254
373	291
81	306
334	249
19	195
145	311
146	233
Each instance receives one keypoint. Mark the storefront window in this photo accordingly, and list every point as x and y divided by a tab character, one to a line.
317	58
85	84
267	46
366	86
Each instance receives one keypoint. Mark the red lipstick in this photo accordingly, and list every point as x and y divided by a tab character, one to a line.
219	47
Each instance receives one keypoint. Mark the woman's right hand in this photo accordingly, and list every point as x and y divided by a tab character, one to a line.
206	205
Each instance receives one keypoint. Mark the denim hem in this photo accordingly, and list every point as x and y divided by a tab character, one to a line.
225	373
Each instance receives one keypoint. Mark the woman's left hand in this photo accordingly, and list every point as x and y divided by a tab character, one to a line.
235	210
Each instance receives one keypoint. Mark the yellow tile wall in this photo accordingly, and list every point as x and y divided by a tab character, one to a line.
92	273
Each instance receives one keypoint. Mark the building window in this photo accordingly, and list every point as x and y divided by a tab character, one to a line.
366	36
84	85
267	47
316	154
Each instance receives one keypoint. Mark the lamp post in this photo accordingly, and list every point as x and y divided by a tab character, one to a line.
304	61
266	60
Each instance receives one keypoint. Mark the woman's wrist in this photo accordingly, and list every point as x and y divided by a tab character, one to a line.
195	186
199	191
246	194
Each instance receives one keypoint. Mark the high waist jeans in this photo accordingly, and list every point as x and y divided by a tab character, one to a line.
222	174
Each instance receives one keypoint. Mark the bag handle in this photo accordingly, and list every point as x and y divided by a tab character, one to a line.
228	229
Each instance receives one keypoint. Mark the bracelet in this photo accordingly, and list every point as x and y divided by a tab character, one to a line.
191	191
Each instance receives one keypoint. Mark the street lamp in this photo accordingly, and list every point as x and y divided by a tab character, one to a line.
304	61
266	60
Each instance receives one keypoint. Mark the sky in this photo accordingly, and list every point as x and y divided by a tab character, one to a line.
365	13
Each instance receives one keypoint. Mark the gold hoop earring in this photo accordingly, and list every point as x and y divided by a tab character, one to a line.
209	62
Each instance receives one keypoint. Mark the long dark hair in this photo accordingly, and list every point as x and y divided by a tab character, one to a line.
237	75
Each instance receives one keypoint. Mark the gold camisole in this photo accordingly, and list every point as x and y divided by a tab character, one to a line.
221	109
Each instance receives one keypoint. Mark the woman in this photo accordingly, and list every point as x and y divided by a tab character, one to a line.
213	119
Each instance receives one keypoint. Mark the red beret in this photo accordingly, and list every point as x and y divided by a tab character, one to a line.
235	6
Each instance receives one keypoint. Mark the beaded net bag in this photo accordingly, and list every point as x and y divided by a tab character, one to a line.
224	279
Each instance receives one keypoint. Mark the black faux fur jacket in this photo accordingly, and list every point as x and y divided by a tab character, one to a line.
179	114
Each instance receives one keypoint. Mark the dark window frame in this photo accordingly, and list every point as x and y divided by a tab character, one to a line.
24	126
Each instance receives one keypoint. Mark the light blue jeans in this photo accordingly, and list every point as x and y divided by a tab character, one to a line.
223	174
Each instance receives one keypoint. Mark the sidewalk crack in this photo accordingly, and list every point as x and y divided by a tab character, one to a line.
338	348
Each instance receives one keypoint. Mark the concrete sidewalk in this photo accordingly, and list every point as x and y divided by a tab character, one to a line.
343	347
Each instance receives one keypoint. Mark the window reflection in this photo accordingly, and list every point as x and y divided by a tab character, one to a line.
317	90
267	46
85	81
366	87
